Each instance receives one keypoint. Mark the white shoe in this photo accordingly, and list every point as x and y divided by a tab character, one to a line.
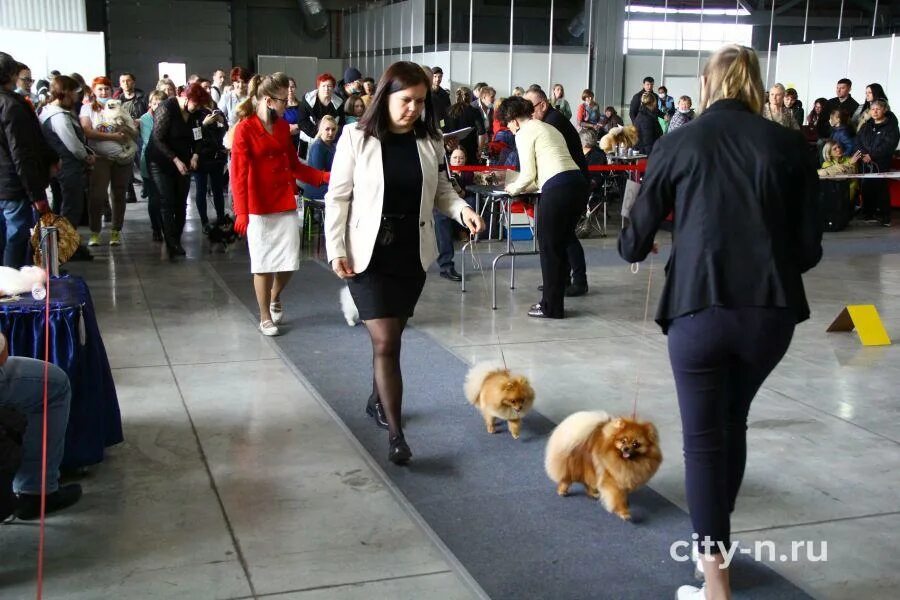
277	312
689	592
268	328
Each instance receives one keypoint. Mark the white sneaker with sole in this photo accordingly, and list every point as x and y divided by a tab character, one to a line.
689	592
277	312
268	328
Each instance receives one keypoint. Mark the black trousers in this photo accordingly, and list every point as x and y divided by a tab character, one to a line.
173	189
720	357
557	214
69	189
876	199
575	256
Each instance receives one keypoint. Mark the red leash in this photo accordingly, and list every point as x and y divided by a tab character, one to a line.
40	572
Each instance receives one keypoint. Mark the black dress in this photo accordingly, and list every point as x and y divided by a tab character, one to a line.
392	283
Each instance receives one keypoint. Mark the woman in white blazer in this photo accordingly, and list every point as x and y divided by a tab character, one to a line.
388	175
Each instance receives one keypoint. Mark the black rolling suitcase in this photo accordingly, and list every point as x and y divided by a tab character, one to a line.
835	204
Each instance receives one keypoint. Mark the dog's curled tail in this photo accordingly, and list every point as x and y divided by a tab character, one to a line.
568	435
348	307
476	377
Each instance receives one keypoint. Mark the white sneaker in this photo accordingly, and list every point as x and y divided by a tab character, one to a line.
689	592
277	312
268	328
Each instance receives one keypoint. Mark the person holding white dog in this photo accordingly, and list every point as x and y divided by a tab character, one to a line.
113	143
388	175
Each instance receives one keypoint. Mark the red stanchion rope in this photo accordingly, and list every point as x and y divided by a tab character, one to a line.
480	168
639	167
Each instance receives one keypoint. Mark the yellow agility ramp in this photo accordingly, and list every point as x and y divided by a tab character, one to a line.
865	319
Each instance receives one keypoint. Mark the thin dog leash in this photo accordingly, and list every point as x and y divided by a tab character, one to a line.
635	268
477	265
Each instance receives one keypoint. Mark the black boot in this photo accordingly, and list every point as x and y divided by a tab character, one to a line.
399	452
375	409
28	506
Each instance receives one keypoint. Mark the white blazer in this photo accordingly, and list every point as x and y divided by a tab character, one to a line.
353	203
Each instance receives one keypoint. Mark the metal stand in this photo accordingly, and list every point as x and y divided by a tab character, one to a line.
505	206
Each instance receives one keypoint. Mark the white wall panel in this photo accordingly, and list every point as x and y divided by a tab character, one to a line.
869	64
65	51
892	89
863	61
52	15
829	63
793	69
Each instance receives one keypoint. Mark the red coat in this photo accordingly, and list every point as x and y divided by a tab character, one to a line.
265	167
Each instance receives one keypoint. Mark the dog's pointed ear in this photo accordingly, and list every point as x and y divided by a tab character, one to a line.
618	424
652	433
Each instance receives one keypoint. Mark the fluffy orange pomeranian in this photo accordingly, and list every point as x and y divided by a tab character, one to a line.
610	457
499	394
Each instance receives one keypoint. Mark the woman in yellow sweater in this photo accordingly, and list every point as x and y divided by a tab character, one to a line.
545	164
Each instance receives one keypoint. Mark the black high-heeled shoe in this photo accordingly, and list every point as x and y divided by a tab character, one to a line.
399	452
375	409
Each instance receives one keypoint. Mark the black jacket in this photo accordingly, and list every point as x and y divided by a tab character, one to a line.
135	106
635	107
211	148
25	156
848	106
573	142
879	141
649	130
440	100
172	137
746	224
310	112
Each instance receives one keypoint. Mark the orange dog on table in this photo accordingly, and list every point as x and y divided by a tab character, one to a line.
499	394
611	457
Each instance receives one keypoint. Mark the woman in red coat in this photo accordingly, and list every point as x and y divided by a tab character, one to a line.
264	170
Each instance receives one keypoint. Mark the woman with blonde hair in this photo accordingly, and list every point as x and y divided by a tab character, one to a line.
746	224
321	153
776	111
559	101
264	167
167	86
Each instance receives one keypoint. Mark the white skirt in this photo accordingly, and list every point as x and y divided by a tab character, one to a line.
274	242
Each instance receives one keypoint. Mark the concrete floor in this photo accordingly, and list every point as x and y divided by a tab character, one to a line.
236	480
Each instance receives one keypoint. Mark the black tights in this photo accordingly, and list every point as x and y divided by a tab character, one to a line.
387	380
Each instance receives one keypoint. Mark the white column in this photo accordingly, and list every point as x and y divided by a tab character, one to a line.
512	7
550	53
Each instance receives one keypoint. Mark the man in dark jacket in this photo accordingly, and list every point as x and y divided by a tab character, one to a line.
26	162
440	97
135	104
546	113
635	107
843	101
350	84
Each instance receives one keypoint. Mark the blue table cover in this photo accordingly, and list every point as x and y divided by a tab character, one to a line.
77	348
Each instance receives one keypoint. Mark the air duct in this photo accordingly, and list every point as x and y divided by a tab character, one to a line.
315	18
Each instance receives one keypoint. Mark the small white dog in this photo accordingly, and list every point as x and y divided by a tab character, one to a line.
14	282
348	307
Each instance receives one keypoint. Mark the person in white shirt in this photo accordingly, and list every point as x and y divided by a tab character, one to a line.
546	165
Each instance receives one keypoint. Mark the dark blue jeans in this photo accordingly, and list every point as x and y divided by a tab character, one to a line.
215	174
22	388
16	218
443	231
720	357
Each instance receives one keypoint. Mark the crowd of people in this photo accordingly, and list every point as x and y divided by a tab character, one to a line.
351	142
